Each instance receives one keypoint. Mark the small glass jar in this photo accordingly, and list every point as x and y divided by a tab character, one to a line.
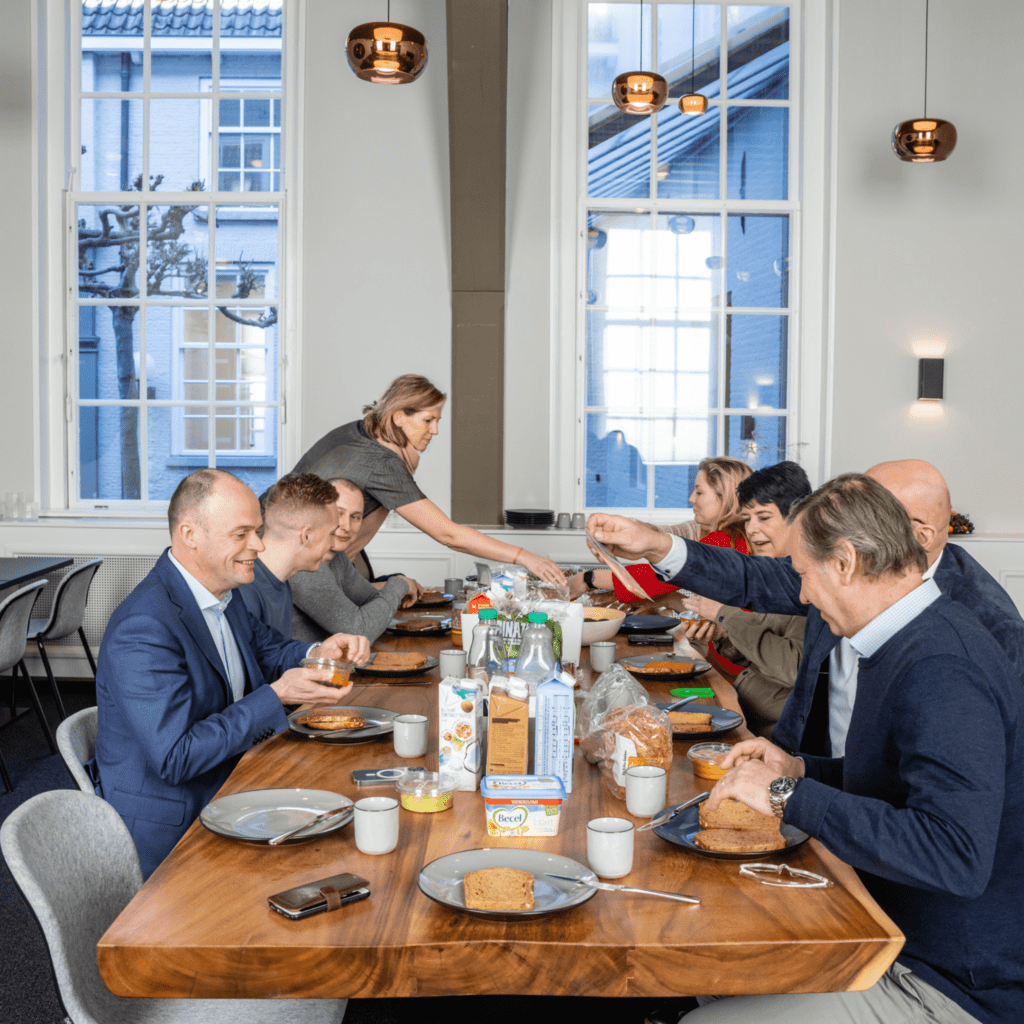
426	792
342	670
707	759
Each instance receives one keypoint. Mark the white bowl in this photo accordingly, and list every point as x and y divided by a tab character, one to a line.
600	624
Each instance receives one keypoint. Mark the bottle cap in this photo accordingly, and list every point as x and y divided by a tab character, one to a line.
518	688
538	617
487	613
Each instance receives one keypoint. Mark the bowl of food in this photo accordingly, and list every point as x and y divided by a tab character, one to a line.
427	792
600	624
707	759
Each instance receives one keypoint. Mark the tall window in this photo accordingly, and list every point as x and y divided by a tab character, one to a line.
688	225
175	212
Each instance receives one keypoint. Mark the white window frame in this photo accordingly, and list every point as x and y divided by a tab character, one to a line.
58	33
812	169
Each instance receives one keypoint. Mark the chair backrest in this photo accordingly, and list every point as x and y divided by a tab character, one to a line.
76	739
68	607
14	615
76	864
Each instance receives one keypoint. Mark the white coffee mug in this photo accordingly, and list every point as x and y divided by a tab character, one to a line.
602	655
410	735
452	663
376	821
646	786
609	846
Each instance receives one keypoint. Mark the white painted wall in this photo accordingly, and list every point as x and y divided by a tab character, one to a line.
376	263
928	256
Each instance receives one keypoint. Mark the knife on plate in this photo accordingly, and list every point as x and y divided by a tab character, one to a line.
608	886
326	816
666	816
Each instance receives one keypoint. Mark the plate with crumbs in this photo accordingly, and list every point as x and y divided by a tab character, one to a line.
380	720
371	669
681	829
723	720
684	668
441	880
258	815
425	624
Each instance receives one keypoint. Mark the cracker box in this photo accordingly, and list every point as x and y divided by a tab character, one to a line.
460	731
522	805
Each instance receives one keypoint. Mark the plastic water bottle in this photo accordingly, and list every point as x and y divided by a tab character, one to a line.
536	662
487	653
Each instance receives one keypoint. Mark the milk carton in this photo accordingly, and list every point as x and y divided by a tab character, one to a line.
460	730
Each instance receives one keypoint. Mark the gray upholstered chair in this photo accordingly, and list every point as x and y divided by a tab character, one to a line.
76	738
67	610
76	888
15	612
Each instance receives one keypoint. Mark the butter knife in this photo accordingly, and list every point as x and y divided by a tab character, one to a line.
609	887
326	816
665	816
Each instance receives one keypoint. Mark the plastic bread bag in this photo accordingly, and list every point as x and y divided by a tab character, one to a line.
614	688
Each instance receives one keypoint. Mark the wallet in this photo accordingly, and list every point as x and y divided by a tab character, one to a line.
321	895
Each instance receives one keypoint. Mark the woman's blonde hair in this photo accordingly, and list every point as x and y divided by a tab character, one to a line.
409	393
724	475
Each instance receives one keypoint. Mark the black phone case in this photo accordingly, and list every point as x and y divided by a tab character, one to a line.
650	640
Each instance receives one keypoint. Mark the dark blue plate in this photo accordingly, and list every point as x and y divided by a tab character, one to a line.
686	824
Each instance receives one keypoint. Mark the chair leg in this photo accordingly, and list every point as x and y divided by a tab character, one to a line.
88	650
6	775
38	706
61	713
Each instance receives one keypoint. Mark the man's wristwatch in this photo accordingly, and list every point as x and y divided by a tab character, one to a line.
779	792
588	579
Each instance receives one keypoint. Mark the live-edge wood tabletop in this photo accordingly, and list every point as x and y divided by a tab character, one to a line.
200	927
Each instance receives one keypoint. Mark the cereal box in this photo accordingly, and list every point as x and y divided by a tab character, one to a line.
460	730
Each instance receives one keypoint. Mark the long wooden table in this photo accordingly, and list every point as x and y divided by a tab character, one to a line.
200	927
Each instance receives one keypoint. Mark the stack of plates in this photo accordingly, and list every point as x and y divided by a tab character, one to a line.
536	518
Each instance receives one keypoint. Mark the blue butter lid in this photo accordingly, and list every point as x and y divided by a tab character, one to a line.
512	787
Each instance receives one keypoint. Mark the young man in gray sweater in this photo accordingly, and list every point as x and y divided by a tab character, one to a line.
335	592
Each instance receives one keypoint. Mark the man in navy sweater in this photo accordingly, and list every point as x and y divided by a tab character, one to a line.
928	803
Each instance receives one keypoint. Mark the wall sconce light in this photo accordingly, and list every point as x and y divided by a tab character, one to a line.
929	379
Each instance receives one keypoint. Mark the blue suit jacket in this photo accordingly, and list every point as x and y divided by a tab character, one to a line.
168	731
771	585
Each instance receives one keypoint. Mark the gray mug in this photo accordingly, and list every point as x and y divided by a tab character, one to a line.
602	655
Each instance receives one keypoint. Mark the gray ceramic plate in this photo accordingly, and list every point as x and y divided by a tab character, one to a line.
685	825
441	879
444	625
639	660
722	719
260	814
384	719
369	670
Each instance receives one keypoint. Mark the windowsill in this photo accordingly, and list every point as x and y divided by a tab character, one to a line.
223	462
244	213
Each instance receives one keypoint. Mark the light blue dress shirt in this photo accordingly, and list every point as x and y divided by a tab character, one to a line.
220	630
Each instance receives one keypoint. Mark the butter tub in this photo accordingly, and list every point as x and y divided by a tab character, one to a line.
522	805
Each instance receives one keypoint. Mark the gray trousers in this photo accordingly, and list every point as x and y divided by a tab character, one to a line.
898	997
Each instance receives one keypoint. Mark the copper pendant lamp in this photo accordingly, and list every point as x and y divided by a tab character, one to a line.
386	53
693	103
640	92
924	140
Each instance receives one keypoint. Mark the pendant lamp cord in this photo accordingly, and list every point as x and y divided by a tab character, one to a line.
693	40
926	57
641	34
389	10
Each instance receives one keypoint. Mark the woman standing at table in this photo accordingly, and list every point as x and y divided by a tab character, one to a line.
380	454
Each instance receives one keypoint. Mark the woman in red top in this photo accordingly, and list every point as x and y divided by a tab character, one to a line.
716	520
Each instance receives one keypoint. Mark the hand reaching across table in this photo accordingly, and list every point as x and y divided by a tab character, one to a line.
629	538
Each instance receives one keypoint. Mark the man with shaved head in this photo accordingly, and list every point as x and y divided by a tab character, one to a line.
817	714
187	679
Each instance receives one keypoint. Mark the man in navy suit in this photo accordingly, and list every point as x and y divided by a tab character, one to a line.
187	678
817	714
928	802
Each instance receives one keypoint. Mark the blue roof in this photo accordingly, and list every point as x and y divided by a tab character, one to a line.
248	18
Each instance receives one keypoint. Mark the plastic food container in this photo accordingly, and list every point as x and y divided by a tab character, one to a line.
707	759
427	792
341	669
522	805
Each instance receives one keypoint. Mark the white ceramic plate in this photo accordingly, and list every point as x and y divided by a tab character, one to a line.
441	879
385	725
260	814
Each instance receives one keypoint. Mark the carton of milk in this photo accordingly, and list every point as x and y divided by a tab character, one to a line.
460	731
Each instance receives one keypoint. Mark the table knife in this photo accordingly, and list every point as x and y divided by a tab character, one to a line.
327	815
624	888
665	816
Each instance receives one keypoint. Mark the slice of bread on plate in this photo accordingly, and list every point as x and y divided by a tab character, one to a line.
498	889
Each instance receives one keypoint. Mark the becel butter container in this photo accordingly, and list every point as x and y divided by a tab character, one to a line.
522	805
